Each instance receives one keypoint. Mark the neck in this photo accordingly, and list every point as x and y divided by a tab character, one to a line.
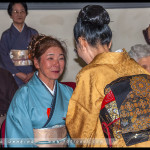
48	82
19	26
97	50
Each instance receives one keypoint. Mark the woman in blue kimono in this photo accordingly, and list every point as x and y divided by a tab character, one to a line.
36	116
14	43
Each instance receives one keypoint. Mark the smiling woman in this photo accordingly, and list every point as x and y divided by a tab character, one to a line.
43	102
51	63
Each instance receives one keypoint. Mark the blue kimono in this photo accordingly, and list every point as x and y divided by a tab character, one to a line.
28	111
13	39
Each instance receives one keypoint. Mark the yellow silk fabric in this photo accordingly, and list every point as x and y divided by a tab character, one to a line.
82	119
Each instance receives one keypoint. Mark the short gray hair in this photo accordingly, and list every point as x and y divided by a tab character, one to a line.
139	50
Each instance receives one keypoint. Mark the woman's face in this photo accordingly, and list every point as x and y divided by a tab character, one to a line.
18	14
51	64
145	63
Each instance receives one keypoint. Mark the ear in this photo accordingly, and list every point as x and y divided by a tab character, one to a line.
36	63
82	43
109	45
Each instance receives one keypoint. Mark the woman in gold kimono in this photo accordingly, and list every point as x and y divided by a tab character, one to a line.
93	40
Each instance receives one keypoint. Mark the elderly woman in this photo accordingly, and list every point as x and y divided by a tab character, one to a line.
38	109
141	54
14	44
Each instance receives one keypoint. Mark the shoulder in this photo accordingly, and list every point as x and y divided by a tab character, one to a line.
31	29
21	97
20	102
6	32
91	70
23	91
93	76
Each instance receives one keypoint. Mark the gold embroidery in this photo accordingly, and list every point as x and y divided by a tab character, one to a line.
117	130
140	85
113	110
134	111
107	90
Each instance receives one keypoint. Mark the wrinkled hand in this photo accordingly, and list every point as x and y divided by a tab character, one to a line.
28	77
21	75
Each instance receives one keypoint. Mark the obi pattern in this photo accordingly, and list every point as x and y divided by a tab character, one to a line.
20	57
125	110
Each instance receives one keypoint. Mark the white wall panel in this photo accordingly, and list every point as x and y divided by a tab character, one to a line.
127	25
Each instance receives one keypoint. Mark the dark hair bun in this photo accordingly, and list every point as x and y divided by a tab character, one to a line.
94	14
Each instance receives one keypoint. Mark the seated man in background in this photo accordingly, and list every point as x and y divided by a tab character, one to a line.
141	54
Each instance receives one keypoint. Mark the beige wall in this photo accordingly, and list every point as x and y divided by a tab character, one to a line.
127	29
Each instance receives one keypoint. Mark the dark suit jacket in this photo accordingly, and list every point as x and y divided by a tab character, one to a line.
8	87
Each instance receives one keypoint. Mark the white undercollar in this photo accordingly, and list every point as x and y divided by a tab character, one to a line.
119	50
52	91
17	28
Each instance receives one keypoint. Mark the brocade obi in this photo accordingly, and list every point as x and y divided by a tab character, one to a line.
20	57
51	137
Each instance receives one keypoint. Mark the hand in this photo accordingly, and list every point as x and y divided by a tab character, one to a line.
21	75
29	76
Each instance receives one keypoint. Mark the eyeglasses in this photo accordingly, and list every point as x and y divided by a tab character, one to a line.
18	12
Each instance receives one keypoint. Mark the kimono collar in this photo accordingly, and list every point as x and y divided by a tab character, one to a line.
111	57
17	28
51	91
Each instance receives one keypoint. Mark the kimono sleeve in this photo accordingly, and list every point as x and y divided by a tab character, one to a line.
82	119
6	61
19	130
